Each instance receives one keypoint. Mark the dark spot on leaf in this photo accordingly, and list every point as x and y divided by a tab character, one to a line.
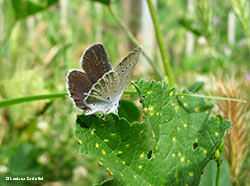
149	154
195	145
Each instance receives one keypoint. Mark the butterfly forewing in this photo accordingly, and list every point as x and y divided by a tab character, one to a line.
126	67
78	86
95	62
104	95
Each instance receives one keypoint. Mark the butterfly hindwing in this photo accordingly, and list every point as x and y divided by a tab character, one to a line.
126	67
95	62
78	85
104	95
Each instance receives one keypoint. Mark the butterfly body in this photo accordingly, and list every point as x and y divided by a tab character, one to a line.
98	89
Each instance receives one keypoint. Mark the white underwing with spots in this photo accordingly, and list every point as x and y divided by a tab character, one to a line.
98	89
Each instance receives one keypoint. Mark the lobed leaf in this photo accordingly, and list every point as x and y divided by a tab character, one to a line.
170	147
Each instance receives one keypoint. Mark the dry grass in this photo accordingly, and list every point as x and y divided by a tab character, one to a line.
237	143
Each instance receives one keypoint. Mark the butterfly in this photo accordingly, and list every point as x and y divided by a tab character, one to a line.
98	89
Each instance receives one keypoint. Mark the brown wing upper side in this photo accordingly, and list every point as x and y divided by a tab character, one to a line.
95	62
78	85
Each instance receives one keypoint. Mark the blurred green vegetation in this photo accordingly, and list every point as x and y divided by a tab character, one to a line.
40	41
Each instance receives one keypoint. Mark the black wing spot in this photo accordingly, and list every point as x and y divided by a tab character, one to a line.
122	70
108	98
114	91
126	67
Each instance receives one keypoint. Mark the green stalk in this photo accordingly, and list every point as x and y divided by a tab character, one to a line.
212	97
218	172
164	55
134	41
13	101
218	160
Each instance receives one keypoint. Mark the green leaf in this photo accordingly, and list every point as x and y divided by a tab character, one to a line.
25	8
106	2
128	110
197	86
170	147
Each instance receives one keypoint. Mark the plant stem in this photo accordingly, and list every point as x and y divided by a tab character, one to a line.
164	55
13	101
219	164
212	97
134	41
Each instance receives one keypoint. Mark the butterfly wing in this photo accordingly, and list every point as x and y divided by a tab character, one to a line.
95	62
78	85
126	67
103	97
99	89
